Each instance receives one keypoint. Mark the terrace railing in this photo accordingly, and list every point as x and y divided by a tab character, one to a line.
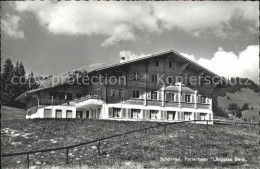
164	127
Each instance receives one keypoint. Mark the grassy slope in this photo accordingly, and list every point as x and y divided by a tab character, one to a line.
139	149
246	96
8	113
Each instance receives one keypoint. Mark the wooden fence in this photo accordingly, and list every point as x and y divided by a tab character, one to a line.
164	127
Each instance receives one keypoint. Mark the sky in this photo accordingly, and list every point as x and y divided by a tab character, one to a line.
54	37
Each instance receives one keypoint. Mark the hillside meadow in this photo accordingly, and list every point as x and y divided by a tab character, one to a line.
151	149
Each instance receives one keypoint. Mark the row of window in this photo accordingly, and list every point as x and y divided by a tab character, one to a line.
154	95
63	95
170	64
154	77
154	114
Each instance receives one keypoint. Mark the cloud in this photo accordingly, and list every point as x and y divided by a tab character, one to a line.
120	21
191	57
11	26
229	64
129	55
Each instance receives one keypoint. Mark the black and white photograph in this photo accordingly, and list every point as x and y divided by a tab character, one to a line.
130	84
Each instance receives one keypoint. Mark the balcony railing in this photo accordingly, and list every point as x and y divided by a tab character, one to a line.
203	106
188	105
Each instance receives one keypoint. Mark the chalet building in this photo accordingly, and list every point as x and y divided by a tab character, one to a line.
153	88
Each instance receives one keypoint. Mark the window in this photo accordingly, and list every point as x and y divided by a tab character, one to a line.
154	95
154	114
136	113
69	114
170	80
157	63
170	64
120	93
112	92
116	112
136	76
59	113
171	96
136	94
187	98
154	78
69	96
203	99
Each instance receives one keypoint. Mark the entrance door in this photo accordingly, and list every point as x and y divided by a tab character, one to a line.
79	114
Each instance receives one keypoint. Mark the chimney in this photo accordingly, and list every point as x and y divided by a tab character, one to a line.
122	59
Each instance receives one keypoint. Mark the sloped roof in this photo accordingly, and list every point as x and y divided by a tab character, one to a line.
99	67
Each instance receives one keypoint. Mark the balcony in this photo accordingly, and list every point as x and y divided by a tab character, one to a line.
187	105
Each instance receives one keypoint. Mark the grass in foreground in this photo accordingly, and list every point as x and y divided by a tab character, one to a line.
134	150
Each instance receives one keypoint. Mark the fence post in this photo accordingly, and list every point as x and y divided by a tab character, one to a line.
28	162
99	147
67	156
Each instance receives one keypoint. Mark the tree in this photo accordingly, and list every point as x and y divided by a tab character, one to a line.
31	82
235	110
245	107
7	89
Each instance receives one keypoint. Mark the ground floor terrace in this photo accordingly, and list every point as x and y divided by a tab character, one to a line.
120	112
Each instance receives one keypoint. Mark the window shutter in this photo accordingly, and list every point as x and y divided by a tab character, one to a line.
177	97
148	115
124	113
149	95
207	100
162	115
179	115
165	115
199	99
194	115
182	115
209	116
144	115
167	96
198	116
159	97
129	113
192	99
183	97
110	112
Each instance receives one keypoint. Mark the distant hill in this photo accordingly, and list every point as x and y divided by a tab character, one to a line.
244	96
10	113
